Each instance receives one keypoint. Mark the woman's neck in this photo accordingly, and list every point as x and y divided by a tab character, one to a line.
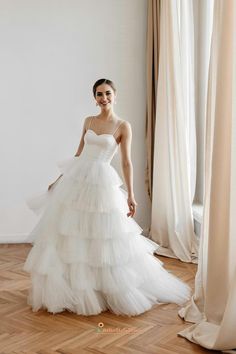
107	115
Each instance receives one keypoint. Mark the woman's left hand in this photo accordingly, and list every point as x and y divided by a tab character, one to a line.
132	206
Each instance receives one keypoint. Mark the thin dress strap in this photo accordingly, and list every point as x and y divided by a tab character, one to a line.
118	127
90	120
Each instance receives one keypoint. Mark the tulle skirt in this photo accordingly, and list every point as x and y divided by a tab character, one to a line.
87	255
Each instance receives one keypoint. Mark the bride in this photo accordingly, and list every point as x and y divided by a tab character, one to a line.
88	253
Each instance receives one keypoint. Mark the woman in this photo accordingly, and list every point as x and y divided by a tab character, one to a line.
89	255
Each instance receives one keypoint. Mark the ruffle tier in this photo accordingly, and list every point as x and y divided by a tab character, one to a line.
92	172
88	290
89	177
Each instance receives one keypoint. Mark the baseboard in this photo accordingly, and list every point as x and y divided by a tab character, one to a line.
14	239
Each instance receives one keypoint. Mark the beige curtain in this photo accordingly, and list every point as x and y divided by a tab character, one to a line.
213	306
174	171
153	34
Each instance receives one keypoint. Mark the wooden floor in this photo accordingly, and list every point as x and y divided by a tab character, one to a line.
23	331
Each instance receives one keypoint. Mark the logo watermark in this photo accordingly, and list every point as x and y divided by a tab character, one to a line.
101	329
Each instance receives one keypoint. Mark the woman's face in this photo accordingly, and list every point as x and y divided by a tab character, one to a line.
105	96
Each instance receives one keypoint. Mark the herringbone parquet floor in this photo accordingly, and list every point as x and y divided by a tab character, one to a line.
24	331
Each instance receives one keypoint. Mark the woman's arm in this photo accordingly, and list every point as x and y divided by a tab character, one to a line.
127	166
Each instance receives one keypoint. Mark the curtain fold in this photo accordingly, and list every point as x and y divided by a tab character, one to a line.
153	37
212	308
174	172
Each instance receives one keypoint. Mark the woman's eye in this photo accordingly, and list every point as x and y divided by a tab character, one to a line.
100	94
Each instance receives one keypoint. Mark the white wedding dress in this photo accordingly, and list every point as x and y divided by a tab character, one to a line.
87	255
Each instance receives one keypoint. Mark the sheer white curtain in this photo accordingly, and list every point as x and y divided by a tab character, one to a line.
174	174
213	306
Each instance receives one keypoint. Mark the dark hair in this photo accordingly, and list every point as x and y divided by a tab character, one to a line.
103	81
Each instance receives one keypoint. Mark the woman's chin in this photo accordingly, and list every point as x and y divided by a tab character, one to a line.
106	108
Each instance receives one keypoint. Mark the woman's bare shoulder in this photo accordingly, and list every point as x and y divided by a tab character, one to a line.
125	125
87	120
123	122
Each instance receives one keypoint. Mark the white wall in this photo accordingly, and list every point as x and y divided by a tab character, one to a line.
51	54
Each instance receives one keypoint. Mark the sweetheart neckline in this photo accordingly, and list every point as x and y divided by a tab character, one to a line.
102	134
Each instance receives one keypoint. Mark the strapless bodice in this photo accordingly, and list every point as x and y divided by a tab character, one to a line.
100	147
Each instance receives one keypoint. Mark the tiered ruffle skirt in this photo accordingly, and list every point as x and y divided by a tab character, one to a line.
87	255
